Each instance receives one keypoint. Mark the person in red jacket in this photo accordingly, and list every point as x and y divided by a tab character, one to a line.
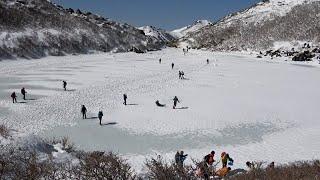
210	158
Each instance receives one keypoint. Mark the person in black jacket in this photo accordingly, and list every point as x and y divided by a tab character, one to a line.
64	85
14	97
175	101
100	114
23	92
84	112
125	97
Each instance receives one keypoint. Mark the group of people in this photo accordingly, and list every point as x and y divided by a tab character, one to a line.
181	75
84	114
180	157
186	50
24	92
207	167
14	95
125	97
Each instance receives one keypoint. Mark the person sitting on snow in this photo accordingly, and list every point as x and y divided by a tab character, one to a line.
159	104
223	171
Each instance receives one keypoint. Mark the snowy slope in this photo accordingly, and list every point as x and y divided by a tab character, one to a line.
254	109
157	33
264	11
261	26
41	28
179	33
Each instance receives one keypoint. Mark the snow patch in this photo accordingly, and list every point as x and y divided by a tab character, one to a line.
179	33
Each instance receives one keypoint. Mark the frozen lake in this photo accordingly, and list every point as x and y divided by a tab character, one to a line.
254	109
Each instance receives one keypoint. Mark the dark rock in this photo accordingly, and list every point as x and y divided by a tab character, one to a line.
304	56
70	10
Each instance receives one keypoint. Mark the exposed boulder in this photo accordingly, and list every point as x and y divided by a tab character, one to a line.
304	56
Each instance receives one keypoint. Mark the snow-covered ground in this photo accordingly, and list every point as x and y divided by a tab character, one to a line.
255	109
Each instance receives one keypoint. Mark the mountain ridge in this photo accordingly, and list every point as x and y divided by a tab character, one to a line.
260	27
46	28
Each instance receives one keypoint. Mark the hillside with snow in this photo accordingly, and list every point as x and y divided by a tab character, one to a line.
262	26
37	28
179	33
157	33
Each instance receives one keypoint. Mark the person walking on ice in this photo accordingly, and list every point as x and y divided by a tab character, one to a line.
14	97
207	61
23	92
64	85
160	61
125	97
172	65
84	112
100	114
175	101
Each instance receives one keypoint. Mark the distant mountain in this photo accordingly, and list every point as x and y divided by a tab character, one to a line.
265	25
179	33
36	28
157	33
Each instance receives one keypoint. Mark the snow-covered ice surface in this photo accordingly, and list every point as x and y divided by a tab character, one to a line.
255	109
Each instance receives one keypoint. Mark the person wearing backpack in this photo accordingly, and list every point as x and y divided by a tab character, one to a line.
14	97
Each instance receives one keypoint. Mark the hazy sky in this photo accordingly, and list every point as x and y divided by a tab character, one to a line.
166	14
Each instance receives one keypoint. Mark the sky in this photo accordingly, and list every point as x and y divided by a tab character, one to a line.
165	14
